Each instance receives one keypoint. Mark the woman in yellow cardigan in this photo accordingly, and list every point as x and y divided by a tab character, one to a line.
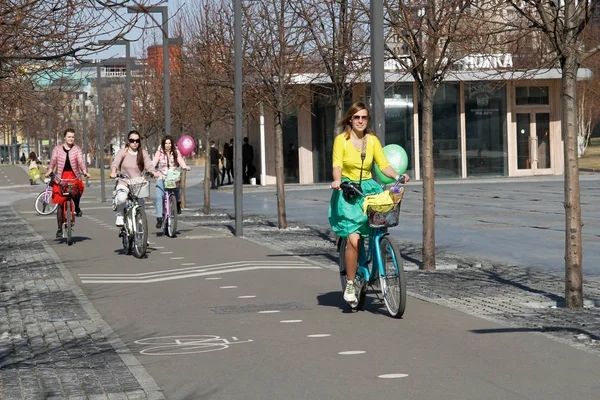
354	152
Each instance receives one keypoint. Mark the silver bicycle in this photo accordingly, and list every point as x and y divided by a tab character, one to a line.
134	232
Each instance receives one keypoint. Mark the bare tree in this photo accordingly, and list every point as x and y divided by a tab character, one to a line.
41	34
339	40
563	24
276	47
430	33
206	77
147	105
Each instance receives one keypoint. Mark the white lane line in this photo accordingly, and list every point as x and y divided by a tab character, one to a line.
210	266
351	353
214	278
318	335
189	272
166	252
392	376
228	287
243	297
184	264
269	312
290	321
177	258
84	208
159	247
114	279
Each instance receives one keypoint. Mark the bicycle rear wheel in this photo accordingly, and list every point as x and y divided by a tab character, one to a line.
140	232
361	293
69	219
43	208
391	278
172	219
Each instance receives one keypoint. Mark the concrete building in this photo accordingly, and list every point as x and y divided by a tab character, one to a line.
484	125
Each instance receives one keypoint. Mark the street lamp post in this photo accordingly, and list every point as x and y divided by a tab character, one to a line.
237	39
377	70
163	10
99	126
84	130
125	43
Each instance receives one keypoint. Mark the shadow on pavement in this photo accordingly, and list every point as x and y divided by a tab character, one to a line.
545	329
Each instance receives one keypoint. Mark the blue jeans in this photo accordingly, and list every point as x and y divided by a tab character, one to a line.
160	197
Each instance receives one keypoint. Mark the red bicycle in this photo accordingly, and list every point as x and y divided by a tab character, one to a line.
69	189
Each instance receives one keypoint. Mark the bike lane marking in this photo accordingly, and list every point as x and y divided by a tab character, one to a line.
182	273
186	344
392	376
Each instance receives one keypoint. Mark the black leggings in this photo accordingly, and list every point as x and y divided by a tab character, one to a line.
60	210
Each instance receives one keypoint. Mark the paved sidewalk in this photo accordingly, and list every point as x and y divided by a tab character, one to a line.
53	343
524	299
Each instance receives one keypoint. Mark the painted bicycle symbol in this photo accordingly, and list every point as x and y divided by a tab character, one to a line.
186	344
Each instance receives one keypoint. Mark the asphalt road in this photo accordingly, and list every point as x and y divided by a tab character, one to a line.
516	221
211	316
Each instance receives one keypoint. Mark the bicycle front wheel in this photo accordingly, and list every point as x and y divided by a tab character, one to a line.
42	207
127	241
391	278
69	223
140	232
172	219
361	292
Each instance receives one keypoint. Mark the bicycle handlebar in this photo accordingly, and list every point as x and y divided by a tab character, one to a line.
60	179
125	176
356	190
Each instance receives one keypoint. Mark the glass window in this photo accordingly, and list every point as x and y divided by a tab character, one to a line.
398	100
485	118
399	120
323	135
446	143
531	95
290	148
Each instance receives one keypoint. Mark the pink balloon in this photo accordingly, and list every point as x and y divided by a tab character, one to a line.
186	145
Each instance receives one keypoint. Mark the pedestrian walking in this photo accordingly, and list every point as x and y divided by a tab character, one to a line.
247	158
34	170
215	156
227	164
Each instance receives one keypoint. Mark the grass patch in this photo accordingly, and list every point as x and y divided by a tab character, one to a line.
591	157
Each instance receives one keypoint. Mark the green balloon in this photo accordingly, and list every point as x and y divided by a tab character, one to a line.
398	160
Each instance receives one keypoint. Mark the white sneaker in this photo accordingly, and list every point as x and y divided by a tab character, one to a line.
350	292
119	221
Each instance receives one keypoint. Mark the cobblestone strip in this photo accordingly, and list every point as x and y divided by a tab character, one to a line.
53	342
519	296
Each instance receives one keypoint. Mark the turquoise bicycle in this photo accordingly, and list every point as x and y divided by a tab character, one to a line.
379	259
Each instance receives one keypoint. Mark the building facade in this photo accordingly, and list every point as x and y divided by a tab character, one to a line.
482	127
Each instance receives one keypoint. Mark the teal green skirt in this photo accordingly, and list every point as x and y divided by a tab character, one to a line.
346	217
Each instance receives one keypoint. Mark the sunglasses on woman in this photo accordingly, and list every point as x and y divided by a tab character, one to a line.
359	117
135	141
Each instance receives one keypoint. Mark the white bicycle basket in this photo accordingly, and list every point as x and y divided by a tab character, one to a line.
140	189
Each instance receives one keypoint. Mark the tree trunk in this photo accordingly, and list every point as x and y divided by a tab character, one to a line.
573	250
428	93
339	110
207	171
182	185
281	214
